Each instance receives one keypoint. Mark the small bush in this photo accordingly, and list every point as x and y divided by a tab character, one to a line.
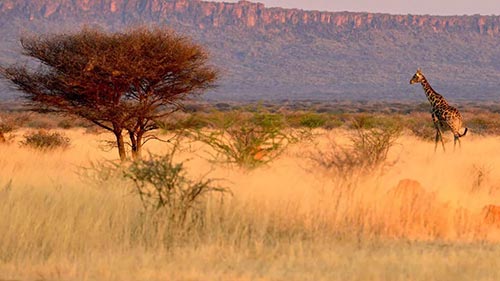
334	122
247	140
65	124
181	121
8	124
164	186
5	128
40	124
45	140
222	106
365	121
313	121
484	124
368	151
422	128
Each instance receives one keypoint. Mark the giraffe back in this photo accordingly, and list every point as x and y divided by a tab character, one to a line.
449	117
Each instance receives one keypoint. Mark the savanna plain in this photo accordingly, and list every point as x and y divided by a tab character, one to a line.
299	196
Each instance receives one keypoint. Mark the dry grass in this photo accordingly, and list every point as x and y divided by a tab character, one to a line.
291	220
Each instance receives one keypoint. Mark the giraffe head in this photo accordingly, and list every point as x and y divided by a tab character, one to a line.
418	77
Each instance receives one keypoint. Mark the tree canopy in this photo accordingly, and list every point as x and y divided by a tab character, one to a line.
122	82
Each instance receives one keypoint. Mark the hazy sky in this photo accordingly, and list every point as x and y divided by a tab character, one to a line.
433	7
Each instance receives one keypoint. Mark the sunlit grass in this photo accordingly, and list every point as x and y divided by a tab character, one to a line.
291	220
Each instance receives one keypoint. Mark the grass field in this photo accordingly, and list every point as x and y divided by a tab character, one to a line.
419	216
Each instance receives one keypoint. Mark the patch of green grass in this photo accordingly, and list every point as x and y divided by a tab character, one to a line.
312	120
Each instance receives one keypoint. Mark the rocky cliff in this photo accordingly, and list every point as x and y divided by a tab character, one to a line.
243	14
290	53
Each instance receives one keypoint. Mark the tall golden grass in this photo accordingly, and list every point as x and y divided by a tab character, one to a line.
420	217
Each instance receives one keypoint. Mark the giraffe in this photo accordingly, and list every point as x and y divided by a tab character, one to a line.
444	116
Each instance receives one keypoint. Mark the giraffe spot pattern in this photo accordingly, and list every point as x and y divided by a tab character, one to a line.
444	116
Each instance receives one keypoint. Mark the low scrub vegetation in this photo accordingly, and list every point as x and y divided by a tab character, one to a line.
368	150
9	123
45	140
415	118
313	121
127	218
5	128
164	187
170	195
248	140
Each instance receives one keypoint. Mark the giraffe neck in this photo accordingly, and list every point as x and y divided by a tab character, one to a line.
433	97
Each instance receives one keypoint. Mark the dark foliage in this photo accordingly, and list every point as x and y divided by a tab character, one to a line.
45	140
122	82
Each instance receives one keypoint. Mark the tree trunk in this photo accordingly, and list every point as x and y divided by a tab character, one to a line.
121	146
139	146
136	142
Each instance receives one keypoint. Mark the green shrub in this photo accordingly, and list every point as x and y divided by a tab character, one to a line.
270	121
191	121
422	127
164	186
45	140
365	121
247	140
313	121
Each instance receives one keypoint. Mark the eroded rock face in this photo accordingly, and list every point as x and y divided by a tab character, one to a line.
326	55
244	13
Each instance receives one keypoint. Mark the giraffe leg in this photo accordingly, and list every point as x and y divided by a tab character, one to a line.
442	141
457	139
439	136
436	140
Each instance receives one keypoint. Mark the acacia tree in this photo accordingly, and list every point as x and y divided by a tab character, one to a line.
122	82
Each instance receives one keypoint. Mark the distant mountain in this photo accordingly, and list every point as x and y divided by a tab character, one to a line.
274	53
